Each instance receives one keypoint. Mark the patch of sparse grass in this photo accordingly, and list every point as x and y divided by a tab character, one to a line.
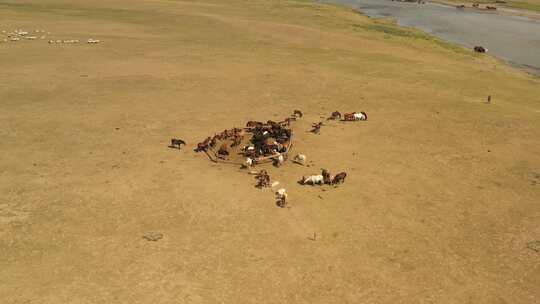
295	4
113	14
524	5
393	30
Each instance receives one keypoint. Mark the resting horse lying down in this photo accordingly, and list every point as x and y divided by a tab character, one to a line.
312	180
355	116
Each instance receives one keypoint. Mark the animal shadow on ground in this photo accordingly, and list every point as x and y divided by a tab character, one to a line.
536	179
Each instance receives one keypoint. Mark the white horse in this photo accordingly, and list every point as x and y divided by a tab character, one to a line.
360	116
313	180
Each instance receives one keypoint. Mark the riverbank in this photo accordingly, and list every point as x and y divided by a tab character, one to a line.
439	205
509	38
529	10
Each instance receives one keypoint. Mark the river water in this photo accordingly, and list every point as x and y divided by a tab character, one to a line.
512	38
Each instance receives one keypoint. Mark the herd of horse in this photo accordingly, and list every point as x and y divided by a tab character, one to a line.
265	139
259	141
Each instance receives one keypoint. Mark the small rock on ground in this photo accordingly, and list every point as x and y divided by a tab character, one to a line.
534	245
153	236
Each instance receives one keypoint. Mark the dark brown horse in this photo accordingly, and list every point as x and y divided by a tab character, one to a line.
203	146
339	178
177	143
335	115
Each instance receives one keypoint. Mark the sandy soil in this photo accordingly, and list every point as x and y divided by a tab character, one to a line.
442	194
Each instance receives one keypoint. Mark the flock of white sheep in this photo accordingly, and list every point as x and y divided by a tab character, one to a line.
18	35
89	41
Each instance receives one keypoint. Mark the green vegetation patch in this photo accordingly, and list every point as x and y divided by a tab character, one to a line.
524	5
392	30
69	10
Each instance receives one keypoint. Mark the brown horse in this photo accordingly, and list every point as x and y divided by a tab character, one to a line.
339	178
177	143
223	151
327	178
335	115
316	128
203	146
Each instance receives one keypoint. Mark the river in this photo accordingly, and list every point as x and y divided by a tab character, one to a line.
512	38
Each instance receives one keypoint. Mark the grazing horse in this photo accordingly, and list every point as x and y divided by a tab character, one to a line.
339	179
247	163
327	177
278	160
213	142
263	179
177	143
361	116
281	197
203	146
223	152
237	140
335	115
254	124
282	201
300	159
316	128
283	147
355	116
480	49
286	122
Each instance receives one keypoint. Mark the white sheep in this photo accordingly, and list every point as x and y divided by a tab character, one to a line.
312	180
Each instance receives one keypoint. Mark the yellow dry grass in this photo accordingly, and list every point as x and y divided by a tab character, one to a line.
442	194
